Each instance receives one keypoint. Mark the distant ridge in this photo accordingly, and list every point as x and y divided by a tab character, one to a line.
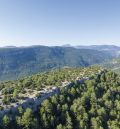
67	45
17	62
8	47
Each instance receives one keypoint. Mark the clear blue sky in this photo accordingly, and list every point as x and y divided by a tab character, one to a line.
58	22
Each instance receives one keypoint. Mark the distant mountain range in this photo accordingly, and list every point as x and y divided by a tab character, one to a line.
111	49
16	62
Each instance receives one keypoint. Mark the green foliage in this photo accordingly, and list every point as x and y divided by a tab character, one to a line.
6	121
94	104
15	93
26	120
11	89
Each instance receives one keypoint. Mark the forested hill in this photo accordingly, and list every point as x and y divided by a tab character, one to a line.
18	62
93	104
113	64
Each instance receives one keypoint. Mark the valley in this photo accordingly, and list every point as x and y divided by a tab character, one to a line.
18	62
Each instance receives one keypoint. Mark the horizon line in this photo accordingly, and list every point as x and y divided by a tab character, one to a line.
64	45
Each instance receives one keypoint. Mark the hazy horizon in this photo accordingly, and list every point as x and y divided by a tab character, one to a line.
27	45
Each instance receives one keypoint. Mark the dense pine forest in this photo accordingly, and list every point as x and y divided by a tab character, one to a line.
93	104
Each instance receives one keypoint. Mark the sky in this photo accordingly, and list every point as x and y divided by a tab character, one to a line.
59	22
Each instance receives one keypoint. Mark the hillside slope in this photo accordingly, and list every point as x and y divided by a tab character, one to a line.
92	104
19	62
113	65
19	91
